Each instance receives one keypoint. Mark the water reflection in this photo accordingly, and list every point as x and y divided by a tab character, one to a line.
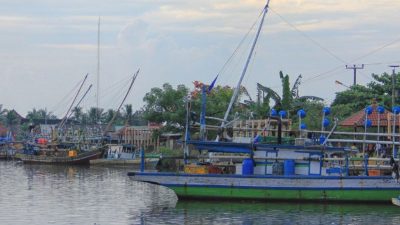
197	212
41	194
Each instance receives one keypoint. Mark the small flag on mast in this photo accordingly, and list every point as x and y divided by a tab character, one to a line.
212	84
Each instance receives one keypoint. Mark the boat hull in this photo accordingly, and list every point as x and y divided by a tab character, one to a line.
396	201
83	158
269	188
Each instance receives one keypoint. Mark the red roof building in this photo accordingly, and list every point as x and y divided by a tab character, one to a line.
358	118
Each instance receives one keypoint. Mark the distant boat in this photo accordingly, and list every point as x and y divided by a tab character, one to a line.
63	156
124	155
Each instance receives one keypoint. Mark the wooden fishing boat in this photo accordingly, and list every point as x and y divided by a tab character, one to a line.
61	157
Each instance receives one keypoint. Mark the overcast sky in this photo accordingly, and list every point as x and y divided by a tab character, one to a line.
48	46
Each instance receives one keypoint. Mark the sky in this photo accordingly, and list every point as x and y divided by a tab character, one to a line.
47	46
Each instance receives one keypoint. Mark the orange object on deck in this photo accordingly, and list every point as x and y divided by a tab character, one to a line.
42	141
196	169
374	173
72	153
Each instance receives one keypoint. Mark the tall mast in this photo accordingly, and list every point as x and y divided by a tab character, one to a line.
126	95
98	71
236	91
73	102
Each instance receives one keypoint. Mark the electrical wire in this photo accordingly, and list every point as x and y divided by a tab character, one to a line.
239	45
309	38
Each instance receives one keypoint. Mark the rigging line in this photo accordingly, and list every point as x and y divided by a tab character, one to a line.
112	85
331	74
240	43
308	37
109	93
115	92
377	50
116	97
57	105
236	63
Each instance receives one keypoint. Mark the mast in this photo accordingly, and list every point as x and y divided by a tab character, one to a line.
77	105
73	102
126	95
236	91
98	71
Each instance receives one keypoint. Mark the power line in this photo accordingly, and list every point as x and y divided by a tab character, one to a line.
309	38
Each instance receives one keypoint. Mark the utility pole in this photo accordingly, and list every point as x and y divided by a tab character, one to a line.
393	81
394	114
355	68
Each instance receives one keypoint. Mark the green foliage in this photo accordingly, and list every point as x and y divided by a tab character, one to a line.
170	152
128	114
358	97
314	114
11	118
216	104
166	105
286	92
40	114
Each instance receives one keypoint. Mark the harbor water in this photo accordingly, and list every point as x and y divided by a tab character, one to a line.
42	194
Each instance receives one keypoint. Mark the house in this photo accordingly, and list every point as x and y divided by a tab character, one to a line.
141	136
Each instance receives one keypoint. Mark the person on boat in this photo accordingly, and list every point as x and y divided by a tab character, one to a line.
378	148
354	147
257	138
395	169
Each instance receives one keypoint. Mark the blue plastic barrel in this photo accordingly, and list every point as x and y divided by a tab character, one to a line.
288	167
248	167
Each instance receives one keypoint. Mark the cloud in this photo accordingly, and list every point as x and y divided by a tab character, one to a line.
180	41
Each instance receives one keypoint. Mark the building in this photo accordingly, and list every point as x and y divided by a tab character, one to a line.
141	136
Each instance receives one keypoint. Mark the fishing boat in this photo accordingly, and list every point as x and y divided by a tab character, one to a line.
125	155
307	170
60	157
7	150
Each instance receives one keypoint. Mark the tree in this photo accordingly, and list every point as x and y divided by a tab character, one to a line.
40	114
358	97
128	114
78	114
94	115
286	92
167	106
290	100
11	118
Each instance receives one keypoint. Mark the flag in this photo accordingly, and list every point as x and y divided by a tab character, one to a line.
212	84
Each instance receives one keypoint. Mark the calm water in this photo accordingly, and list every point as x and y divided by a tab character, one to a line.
37	194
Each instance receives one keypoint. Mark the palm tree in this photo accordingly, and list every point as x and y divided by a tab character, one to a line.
94	115
40	114
290	97
78	114
128	114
